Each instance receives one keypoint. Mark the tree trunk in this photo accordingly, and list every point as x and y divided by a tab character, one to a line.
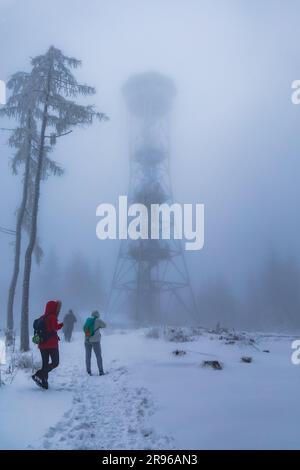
24	344
24	338
18	240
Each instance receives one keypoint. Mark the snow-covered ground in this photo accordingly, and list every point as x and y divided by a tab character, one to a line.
152	399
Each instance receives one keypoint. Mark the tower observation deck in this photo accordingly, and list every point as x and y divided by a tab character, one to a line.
151	282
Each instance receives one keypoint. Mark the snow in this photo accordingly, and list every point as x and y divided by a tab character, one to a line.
27	412
152	399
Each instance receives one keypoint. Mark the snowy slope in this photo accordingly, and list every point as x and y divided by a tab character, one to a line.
151	399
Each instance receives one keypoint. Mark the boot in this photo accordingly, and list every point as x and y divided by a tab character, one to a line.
37	380
45	384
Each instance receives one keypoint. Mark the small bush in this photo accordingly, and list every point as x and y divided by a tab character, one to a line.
179	352
178	335
26	361
218	329
216	365
246	359
153	332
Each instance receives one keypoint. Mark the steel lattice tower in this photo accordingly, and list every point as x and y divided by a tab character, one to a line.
151	283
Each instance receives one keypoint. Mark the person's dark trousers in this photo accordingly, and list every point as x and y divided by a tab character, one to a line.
47	354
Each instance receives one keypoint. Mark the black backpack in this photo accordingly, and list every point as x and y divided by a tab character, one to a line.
40	331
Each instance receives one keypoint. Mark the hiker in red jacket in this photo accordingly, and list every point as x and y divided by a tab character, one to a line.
49	347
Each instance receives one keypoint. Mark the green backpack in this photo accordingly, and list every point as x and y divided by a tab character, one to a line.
89	327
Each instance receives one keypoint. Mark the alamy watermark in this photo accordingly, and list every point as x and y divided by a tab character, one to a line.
2	93
158	222
295	357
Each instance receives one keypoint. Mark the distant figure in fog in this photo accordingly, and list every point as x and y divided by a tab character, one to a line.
69	321
91	329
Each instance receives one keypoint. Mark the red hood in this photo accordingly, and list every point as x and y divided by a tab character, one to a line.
51	307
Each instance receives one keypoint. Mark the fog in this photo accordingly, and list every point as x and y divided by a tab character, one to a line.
235	146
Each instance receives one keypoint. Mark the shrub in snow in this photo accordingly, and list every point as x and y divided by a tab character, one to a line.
153	332
233	337
174	334
218	329
147	432
197	331
178	335
213	365
246	359
1	381
179	352
26	361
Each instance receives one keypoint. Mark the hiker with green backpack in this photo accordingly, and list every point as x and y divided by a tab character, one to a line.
91	329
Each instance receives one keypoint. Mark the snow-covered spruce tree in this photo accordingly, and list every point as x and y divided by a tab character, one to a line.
19	108
55	89
23	139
